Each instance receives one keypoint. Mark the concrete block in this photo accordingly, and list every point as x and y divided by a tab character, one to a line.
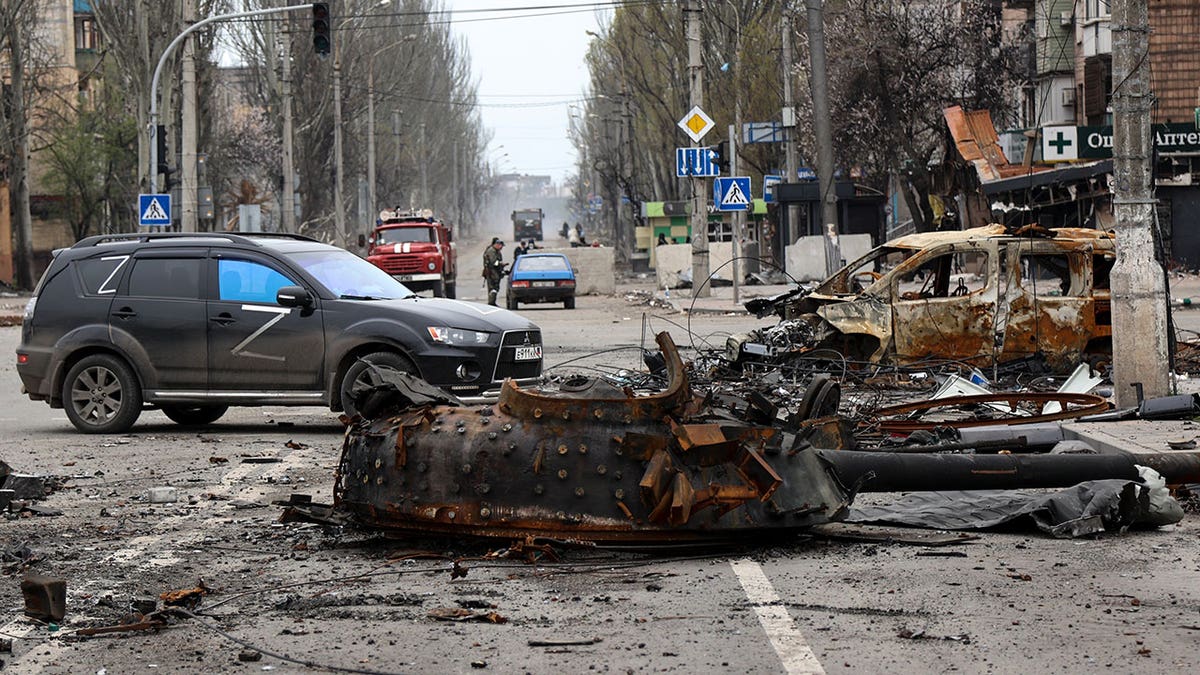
674	258
45	597
594	268
805	259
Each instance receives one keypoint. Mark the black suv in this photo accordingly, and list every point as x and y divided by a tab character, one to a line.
195	323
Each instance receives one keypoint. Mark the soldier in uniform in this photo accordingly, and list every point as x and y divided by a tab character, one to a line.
493	268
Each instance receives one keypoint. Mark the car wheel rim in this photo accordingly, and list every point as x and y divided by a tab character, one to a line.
96	395
368	377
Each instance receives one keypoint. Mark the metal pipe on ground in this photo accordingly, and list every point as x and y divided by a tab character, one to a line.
893	472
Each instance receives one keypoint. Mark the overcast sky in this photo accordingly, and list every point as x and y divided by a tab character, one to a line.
530	67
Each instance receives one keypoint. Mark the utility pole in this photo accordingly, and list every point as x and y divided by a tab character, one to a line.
701	289
457	212
339	211
396	160
19	164
288	205
372	204
739	217
1139	297
187	136
424	172
818	83
789	125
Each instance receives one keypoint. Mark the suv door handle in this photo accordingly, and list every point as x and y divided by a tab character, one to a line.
124	313
224	319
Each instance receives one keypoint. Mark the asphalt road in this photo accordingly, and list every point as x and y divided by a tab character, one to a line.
1007	602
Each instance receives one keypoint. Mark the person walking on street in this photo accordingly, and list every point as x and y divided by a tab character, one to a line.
493	269
574	238
521	249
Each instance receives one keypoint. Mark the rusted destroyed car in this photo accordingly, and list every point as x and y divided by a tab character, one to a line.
983	296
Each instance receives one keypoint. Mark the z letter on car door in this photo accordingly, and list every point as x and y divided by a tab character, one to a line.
254	343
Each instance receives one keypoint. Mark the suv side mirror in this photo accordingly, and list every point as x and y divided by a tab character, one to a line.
293	296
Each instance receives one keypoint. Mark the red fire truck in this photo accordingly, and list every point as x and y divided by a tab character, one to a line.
416	249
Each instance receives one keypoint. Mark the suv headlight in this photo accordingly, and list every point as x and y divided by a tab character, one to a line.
458	336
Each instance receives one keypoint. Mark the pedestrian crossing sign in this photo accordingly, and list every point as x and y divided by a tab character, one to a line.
732	194
154	210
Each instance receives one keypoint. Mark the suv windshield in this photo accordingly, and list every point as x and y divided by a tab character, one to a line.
349	276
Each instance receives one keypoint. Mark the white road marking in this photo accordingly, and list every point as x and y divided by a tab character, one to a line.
137	552
795	654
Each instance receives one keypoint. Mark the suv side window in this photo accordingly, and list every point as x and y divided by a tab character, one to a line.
165	278
246	281
100	276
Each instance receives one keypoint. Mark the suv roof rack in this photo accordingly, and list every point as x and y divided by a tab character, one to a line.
247	238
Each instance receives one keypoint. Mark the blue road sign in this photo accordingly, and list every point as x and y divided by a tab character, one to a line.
733	193
695	163
762	132
769	183
805	173
154	210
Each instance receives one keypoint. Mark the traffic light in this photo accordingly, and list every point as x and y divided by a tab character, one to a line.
164	167
721	161
322	40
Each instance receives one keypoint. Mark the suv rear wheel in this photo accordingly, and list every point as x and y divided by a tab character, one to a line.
360	371
194	415
101	395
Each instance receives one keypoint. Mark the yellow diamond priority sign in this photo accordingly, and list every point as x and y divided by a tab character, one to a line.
696	123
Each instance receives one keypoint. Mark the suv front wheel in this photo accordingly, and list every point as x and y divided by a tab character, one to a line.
101	395
361	372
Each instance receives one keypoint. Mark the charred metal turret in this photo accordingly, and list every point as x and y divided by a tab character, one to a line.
590	462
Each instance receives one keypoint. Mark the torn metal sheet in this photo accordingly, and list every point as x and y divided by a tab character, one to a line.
959	411
1088	508
607	465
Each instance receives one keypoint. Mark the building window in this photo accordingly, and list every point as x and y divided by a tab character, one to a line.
1097	9
87	37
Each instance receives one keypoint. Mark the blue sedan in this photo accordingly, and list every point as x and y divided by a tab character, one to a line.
541	277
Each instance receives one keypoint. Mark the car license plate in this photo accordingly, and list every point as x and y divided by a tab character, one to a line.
529	353
543	283
403	277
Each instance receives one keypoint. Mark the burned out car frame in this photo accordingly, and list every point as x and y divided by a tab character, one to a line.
982	296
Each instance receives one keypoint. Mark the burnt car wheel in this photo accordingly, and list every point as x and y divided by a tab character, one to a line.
194	415
361	372
101	395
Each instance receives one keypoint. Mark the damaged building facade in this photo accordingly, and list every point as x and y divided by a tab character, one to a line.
1058	166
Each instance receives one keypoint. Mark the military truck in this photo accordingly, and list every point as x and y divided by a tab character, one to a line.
527	224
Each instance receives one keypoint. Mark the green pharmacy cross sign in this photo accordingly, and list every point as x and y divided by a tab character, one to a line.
1060	144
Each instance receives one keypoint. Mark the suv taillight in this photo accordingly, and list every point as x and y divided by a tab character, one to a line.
29	307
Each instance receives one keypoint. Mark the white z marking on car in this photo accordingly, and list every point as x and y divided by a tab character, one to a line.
103	287
279	312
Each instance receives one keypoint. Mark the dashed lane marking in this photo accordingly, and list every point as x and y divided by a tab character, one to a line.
795	654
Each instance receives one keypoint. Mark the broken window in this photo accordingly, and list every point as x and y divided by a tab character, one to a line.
1049	274
951	274
856	276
